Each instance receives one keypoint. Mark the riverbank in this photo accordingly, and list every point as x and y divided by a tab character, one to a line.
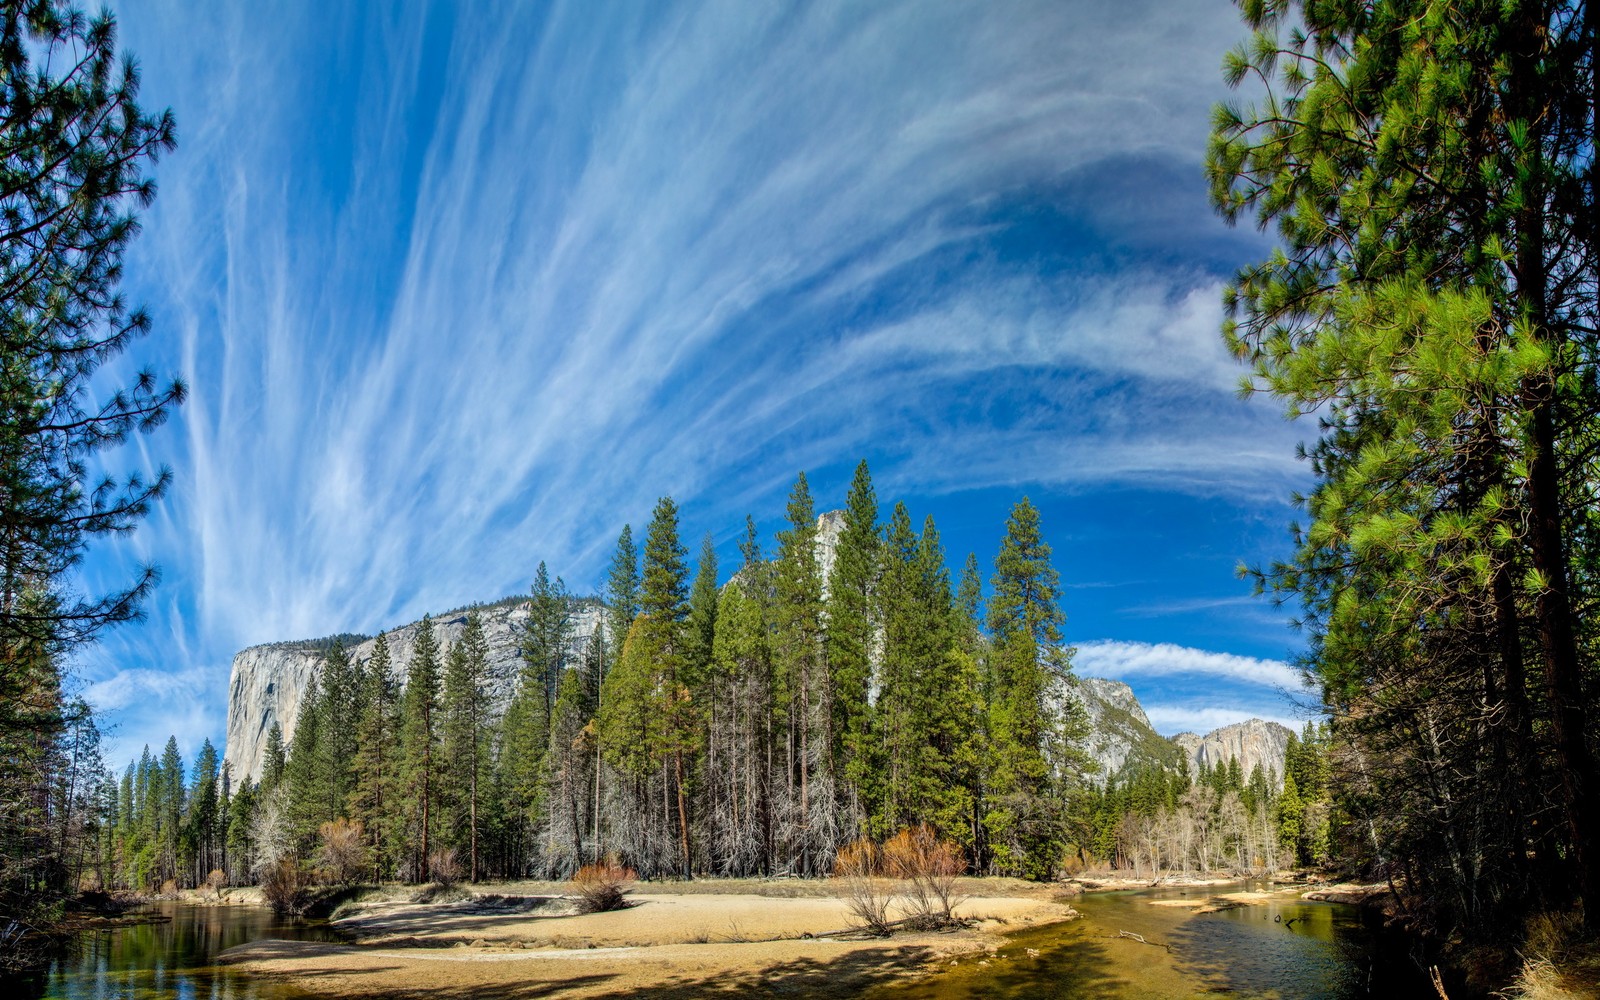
677	939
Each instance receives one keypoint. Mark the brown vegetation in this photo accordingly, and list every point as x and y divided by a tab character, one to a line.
344	850
602	887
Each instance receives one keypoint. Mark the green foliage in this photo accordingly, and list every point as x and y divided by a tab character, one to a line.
622	591
1428	170
465	740
849	637
376	765
419	746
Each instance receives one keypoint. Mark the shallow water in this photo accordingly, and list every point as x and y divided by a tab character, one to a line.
1284	948
173	958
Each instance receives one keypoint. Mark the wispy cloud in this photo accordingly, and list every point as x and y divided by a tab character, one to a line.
457	292
1121	660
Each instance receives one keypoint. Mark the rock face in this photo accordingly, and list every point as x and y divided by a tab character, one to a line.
1253	743
267	682
1120	735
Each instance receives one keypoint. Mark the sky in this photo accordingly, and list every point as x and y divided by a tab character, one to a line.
458	288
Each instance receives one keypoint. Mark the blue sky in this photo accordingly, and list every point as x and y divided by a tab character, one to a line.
458	288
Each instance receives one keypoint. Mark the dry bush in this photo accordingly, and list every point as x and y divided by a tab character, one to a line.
344	851
930	867
601	887
286	884
445	867
169	889
860	864
215	882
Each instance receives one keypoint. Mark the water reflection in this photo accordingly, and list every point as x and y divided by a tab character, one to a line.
174	958
1283	948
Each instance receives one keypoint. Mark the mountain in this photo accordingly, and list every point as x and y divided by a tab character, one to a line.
267	682
1253	742
1120	735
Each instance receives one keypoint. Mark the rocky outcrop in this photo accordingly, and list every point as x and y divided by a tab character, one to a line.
1120	735
268	682
1252	743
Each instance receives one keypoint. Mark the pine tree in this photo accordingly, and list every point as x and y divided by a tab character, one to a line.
305	775
1429	167
850	635
804	684
204	804
622	591
172	792
465	732
419	745
273	759
376	764
342	693
1024	820
700	631
664	607
544	647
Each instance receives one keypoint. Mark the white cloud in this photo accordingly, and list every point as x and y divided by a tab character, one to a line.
1171	719
1121	660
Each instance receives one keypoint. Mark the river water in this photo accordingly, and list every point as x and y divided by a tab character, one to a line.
1284	948
1287	947
172	958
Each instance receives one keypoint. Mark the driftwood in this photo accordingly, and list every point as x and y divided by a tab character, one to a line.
1130	935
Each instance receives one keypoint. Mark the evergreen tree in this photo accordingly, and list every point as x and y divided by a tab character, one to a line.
850	636
544	648
1024	822
700	631
305	775
804	684
419	745
1430	169
273	759
664	606
342	694
622	591
465	734
204	805
376	763
171	793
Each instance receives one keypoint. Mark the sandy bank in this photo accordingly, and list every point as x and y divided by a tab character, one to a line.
672	943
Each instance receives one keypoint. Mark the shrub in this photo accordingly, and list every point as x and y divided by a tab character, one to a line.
344	851
444	866
215	882
286	884
601	887
859	863
930	867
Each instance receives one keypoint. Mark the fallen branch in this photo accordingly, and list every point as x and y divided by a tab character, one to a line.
1130	935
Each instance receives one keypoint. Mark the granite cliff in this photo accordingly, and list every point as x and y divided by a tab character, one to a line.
267	682
1253	743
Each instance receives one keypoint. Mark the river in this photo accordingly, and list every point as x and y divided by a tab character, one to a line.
1286	947
170	958
1283	948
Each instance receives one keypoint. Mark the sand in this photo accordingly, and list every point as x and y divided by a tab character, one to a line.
683	941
